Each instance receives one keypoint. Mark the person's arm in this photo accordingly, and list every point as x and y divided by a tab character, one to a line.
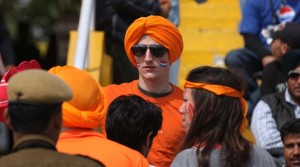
253	43
6	46
264	129
250	29
138	8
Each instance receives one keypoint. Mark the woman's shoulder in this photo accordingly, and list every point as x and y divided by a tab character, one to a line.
186	158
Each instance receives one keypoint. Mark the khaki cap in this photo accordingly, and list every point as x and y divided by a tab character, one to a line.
38	86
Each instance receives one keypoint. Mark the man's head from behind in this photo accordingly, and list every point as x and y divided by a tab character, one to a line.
285	38
133	122
86	108
290	136
35	98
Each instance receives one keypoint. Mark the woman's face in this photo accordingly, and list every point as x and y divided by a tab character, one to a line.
187	108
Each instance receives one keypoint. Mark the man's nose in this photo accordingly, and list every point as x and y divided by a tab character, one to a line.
296	151
148	55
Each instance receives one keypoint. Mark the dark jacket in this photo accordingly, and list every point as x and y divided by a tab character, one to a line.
40	151
115	16
282	111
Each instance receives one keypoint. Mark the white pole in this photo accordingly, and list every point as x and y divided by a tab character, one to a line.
86	13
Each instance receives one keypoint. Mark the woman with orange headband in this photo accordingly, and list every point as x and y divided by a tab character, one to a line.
213	114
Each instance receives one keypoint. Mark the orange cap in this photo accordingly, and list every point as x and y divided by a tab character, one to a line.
86	108
160	30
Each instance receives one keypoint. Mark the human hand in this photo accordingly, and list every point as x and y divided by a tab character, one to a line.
267	59
165	6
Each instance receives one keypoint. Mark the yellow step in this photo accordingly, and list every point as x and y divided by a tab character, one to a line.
210	39
208	29
190	60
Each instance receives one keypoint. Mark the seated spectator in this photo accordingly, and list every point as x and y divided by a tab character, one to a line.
285	45
83	113
290	136
34	114
214	115
273	111
133	122
259	19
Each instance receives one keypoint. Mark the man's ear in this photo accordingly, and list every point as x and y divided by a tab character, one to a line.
149	140
284	48
57	117
7	118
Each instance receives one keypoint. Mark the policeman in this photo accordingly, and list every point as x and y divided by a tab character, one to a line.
34	114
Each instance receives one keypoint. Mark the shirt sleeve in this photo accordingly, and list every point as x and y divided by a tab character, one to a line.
253	43
264	127
250	22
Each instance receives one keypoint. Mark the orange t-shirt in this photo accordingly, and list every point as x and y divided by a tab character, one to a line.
165	144
95	145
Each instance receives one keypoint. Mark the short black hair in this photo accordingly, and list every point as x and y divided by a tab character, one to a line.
130	119
291	127
31	118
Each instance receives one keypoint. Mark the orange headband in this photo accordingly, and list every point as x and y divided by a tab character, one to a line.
222	90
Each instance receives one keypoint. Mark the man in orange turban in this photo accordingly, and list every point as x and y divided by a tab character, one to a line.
84	112
152	44
114	17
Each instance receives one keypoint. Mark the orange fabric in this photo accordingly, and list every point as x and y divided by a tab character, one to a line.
222	90
95	145
160	30
165	144
86	108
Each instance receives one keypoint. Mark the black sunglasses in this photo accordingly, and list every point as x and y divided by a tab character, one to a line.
139	50
293	75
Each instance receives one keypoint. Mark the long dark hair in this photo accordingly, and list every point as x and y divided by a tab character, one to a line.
217	119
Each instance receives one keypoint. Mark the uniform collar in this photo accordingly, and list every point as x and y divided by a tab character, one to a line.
29	137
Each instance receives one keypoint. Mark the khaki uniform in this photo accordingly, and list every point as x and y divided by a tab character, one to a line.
28	154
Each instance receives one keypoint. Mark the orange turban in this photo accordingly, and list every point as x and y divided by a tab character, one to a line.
87	107
160	30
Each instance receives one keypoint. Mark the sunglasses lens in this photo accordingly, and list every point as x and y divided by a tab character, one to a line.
293	75
158	50
139	50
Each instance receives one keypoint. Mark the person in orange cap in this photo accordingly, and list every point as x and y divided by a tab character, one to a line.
152	44
83	113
